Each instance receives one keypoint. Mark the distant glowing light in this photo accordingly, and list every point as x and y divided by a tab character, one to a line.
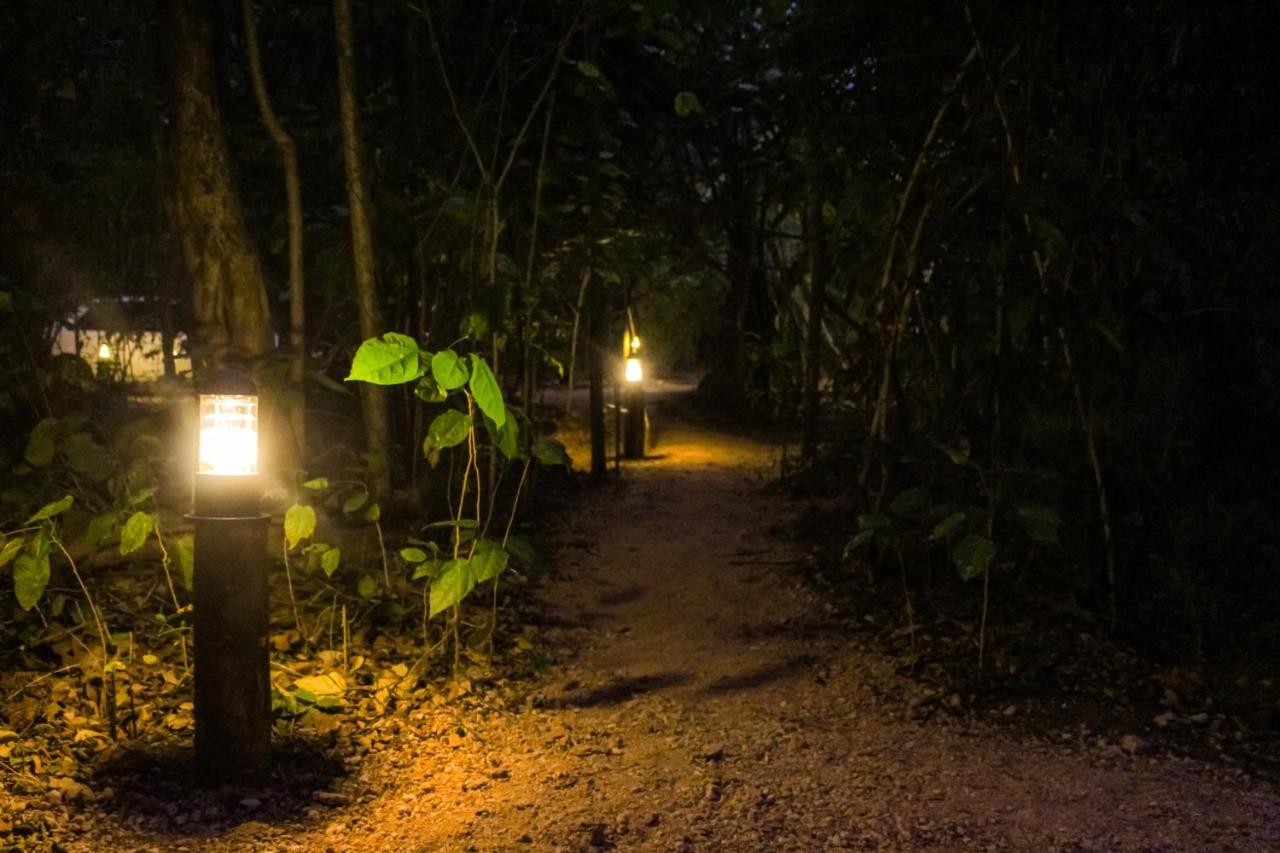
104	351
228	435
635	370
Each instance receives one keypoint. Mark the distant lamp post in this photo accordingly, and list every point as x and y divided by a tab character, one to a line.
105	361
633	399
232	687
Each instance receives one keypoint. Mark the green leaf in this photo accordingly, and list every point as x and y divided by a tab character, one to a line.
330	560
428	390
948	525
373	513
413	555
135	531
858	541
686	104
484	387
522	549
589	70
548	451
185	549
973	555
449	428
488	561
299	524
465	523
910	501
100	527
10	550
316	485
42	444
366	586
391	360
506	437
354	502
427	569
449	370
874	521
30	577
959	454
474	326
142	496
31	569
86	457
1041	522
451	586
50	510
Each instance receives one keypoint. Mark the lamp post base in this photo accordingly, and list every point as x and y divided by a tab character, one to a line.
633	430
232	679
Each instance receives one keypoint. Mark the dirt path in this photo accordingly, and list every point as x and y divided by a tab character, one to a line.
709	704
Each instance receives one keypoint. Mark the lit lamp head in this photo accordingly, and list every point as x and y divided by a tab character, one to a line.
104	351
634	369
227	443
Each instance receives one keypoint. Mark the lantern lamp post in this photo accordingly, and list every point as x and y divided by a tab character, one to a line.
232	686
633	400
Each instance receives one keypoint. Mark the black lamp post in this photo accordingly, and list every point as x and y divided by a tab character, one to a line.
633	399
232	685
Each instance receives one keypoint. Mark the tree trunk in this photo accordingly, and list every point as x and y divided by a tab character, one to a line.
229	294
373	397
296	399
597	347
813	330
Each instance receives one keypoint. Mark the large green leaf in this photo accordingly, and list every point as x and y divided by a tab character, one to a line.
484	387
1041	522
42	444
862	538
686	104
30	577
135	531
330	560
100	527
973	555
910	501
452	585
449	370
449	428
548	451
522	549
413	555
488	561
299	524
184	548
392	359
86	457
53	509
506	437
948	525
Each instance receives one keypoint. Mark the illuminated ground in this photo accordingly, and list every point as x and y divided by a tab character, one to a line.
707	701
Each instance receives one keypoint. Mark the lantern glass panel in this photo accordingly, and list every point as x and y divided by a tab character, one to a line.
228	435
635	370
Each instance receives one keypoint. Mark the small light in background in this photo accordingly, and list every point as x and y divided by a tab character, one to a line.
104	351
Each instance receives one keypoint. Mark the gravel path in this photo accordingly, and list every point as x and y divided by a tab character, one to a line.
705	701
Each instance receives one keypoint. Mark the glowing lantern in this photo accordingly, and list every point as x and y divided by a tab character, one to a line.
104	351
634	370
228	435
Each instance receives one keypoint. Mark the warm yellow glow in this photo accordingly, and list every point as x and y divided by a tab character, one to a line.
635	370
104	351
635	344
228	435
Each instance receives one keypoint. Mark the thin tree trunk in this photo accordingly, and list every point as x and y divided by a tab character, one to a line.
297	405
229	295
573	336
597	346
373	397
813	332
